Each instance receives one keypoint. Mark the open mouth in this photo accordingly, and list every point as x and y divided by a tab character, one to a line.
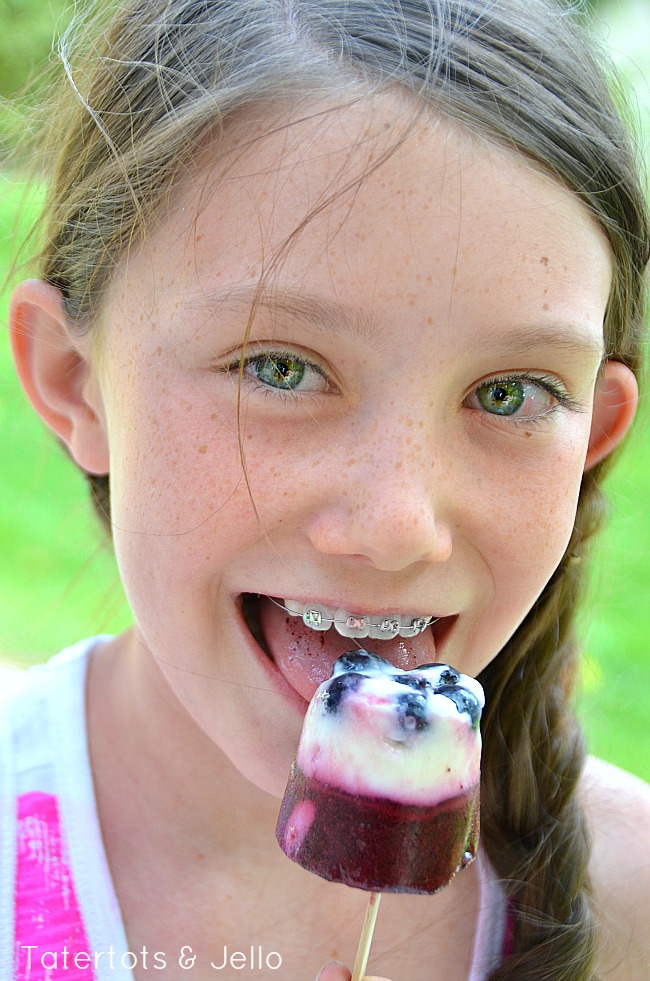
304	640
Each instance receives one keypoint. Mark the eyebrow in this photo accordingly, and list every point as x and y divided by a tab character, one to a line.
569	336
334	317
321	313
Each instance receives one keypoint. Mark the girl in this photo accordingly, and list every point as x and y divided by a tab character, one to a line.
341	300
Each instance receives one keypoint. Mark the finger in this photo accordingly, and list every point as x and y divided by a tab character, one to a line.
334	971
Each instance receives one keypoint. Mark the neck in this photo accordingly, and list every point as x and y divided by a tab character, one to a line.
144	741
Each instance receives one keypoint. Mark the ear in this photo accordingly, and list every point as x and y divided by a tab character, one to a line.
616	397
56	375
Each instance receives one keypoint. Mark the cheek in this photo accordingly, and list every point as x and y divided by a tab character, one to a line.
179	499
532	529
172	462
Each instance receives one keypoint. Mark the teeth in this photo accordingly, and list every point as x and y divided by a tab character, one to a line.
357	625
317	616
351	624
413	626
296	609
384	628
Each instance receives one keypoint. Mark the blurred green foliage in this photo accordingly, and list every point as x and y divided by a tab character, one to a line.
27	30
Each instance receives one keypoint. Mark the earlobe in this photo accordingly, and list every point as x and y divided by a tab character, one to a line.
56	375
615	402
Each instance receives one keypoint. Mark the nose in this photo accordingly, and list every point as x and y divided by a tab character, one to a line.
385	507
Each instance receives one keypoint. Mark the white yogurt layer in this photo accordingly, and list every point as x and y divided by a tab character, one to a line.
368	733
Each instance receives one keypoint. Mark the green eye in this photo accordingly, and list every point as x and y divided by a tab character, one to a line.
279	371
282	373
502	398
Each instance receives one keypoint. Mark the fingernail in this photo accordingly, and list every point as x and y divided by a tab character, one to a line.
333	971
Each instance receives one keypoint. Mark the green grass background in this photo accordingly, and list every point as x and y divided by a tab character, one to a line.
58	580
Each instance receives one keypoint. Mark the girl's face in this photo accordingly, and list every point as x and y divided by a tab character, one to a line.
413	413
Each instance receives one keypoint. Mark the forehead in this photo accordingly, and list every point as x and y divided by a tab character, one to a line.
373	190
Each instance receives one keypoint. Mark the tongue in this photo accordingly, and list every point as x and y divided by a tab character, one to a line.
306	657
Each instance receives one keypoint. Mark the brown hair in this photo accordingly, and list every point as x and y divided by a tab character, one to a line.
166	75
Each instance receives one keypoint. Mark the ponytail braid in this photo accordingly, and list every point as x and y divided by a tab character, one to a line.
533	829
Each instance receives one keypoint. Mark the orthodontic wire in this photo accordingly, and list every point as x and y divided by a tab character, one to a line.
432	620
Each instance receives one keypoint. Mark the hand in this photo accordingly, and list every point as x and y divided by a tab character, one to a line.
335	971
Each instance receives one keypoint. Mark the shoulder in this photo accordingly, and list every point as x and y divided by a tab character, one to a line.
38	708
617	806
11	681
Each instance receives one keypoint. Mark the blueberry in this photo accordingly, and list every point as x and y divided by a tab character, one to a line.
413	681
360	661
412	711
448	676
337	687
464	701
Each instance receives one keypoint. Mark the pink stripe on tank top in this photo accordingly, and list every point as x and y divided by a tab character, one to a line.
48	918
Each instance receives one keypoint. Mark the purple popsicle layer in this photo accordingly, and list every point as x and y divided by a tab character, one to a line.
384	792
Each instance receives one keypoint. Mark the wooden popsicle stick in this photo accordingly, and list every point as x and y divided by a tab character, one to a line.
365	939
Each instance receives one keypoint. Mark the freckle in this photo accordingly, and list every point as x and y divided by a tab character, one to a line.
203	449
213	417
544	260
430	321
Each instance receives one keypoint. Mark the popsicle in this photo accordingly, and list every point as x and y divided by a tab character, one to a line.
383	794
